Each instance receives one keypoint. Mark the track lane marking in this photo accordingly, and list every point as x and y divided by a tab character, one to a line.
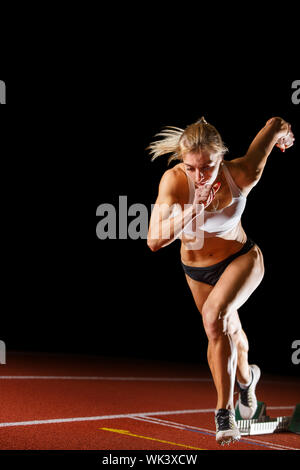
129	379
128	433
97	418
115	416
141	379
189	427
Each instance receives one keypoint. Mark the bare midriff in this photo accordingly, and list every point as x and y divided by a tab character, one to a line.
214	250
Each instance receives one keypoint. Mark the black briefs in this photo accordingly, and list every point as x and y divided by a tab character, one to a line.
211	274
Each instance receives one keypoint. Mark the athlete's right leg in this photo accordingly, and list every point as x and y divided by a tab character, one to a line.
200	292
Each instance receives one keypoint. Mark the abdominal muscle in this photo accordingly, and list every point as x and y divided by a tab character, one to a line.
214	249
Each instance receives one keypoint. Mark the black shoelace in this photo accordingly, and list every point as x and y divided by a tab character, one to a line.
223	420
244	393
244	397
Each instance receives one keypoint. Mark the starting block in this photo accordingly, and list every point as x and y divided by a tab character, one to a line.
263	424
294	425
259	413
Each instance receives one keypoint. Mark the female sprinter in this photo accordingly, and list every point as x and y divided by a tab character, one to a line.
201	200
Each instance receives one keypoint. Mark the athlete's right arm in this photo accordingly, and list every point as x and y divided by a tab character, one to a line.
164	226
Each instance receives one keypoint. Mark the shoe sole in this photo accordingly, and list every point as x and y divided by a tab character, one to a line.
223	439
228	440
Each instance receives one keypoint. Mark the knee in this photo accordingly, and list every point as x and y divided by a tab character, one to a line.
212	321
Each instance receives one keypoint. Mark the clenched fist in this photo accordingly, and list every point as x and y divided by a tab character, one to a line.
205	194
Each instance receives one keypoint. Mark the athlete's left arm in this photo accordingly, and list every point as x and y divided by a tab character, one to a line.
250	167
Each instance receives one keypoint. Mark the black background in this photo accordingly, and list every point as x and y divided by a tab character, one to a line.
64	290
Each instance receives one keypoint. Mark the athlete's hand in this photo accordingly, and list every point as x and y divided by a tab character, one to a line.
286	141
205	194
285	135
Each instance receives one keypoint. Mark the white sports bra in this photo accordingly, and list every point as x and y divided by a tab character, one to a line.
219	222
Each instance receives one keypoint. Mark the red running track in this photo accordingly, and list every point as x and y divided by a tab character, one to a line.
72	402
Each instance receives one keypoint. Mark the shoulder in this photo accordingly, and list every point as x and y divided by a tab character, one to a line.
173	177
241	174
174	181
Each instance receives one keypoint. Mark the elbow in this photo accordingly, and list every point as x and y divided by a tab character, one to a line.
153	245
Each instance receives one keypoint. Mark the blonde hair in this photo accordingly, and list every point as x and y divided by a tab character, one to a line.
195	137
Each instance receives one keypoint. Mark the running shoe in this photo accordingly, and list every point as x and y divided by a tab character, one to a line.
247	401
226	427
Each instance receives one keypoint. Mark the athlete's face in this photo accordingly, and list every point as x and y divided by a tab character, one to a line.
202	167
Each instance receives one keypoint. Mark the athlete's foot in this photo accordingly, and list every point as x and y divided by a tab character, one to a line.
247	399
226	427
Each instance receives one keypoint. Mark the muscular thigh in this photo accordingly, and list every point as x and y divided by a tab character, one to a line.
200	291
239	280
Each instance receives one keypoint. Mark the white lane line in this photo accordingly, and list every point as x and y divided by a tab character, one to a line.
280	407
62	377
276	446
117	416
98	418
170	424
125	379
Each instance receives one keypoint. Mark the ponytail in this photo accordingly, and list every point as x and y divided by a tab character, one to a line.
170	143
